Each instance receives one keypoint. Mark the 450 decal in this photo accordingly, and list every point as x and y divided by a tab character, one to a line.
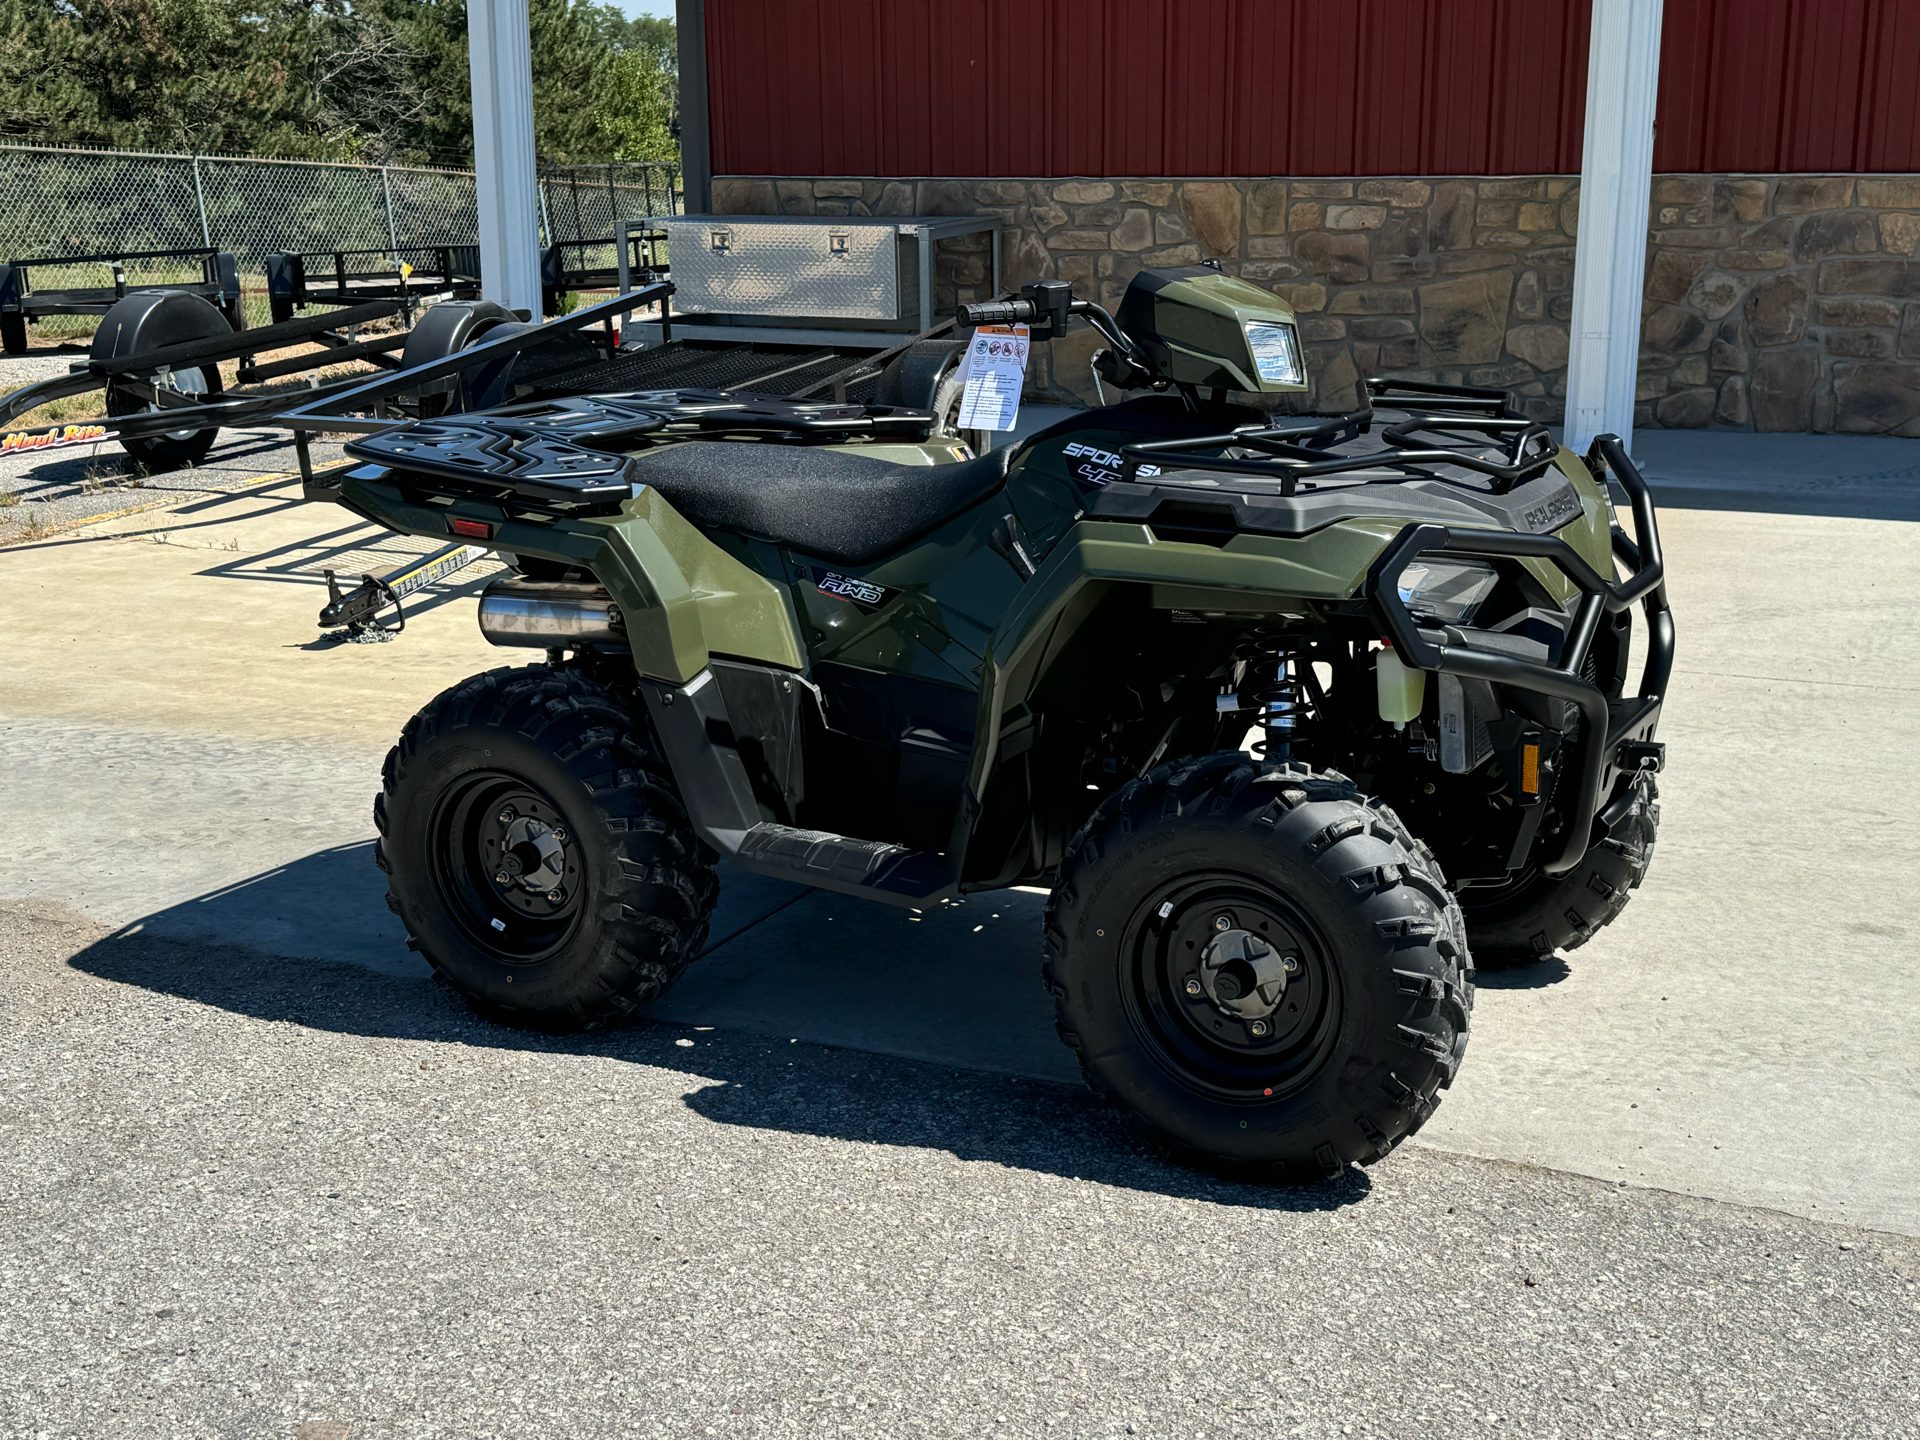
1098	465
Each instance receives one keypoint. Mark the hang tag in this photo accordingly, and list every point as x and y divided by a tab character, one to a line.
992	374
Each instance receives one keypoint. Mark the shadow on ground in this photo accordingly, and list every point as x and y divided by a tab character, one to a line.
743	1079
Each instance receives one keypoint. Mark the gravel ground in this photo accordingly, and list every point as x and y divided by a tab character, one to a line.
18	370
59	489
319	1201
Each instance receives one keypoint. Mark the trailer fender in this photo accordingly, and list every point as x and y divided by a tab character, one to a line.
450	326
150	319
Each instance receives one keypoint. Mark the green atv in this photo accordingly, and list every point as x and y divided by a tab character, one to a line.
1295	715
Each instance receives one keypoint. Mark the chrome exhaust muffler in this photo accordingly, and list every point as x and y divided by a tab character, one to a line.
546	615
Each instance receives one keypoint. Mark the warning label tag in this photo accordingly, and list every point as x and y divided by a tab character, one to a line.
992	373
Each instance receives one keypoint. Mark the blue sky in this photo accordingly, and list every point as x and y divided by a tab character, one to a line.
634	9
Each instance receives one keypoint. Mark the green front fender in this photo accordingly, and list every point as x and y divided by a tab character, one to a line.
1252	574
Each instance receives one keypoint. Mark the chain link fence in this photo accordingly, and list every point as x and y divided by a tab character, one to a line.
94	202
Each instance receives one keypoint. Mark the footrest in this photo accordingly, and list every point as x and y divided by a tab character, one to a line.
821	858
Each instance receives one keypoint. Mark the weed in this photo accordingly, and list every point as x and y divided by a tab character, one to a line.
55	412
9	498
34	526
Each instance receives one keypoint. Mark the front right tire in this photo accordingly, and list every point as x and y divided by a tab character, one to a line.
1259	964
1533	915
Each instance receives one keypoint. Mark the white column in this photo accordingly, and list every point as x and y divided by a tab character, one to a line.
500	59
1610	254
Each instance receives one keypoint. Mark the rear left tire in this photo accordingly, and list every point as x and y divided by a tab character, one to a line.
538	853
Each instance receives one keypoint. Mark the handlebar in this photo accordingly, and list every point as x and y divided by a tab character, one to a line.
997	312
1046	305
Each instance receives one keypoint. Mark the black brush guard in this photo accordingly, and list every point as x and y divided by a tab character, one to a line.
1616	737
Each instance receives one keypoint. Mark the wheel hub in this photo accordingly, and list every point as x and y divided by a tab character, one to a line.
1244	975
1231	985
531	855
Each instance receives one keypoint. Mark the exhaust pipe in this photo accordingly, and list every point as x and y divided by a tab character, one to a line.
549	615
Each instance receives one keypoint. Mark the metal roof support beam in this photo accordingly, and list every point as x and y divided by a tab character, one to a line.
1610	255
696	153
500	60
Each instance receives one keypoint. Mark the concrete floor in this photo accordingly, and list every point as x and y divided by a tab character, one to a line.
193	758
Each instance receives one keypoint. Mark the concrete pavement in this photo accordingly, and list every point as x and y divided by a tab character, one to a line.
199	951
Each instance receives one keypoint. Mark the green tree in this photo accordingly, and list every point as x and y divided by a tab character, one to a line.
204	75
371	79
633	107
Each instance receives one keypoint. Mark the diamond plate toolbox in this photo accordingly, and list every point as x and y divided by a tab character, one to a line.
818	266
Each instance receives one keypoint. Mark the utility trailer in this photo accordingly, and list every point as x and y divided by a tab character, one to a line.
409	275
156	363
21	304
569	265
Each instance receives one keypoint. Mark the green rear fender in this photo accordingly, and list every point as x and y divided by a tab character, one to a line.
685	599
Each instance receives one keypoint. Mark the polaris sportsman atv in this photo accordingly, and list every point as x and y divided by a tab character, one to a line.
1296	716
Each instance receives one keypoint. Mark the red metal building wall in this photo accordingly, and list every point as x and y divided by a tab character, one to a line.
1779	86
1284	87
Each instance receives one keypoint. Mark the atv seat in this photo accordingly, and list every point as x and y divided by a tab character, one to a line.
828	503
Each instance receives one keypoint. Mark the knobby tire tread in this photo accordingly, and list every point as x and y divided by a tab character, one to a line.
1325	818
624	778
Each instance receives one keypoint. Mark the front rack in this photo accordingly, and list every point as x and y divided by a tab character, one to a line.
1293	453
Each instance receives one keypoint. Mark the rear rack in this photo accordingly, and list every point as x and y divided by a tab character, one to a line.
593	478
1291	454
561	456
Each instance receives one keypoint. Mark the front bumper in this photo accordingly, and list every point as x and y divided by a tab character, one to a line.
1617	737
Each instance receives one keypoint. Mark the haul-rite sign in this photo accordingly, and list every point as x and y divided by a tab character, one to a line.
48	439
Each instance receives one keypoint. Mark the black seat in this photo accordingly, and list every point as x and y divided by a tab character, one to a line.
828	503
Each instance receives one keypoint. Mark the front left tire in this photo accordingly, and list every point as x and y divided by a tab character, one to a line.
1259	964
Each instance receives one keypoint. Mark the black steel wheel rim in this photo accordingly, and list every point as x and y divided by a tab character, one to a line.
507	866
1219	1048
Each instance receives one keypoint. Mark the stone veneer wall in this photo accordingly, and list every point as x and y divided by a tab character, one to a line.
1773	302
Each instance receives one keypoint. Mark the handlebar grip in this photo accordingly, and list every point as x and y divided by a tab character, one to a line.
996	312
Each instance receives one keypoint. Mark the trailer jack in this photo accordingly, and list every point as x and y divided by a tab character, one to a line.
359	610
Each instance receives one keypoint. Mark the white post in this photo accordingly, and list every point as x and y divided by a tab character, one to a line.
500	60
1610	254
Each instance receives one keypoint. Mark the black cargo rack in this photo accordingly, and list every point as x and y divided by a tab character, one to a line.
21	304
1292	453
735	374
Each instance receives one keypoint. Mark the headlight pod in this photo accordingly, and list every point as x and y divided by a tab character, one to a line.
1277	353
1447	591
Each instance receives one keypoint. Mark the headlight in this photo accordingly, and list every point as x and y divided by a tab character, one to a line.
1447	591
1277	353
